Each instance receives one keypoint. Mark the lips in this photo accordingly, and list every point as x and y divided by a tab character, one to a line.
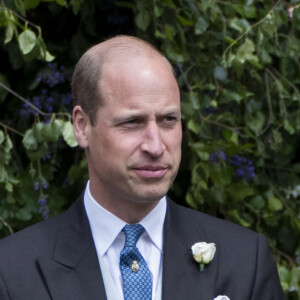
151	171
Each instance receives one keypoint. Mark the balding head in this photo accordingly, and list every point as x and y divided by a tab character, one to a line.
89	70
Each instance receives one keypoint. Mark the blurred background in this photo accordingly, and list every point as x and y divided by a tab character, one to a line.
238	67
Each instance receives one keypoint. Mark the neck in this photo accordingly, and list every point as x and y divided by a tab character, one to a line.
129	211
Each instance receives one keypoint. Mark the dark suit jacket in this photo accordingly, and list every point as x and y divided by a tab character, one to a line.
56	259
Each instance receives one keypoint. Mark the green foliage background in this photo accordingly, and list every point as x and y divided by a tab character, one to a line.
238	67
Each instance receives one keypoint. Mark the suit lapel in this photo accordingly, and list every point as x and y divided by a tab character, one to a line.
73	272
182	278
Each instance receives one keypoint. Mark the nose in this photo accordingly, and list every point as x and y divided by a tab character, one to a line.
152	143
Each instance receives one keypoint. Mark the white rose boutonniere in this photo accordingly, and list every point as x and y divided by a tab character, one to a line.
203	253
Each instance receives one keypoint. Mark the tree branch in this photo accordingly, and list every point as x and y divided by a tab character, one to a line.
6	225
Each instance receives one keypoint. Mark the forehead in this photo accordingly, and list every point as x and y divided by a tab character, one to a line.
144	77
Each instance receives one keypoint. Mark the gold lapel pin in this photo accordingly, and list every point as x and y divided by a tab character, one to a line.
134	267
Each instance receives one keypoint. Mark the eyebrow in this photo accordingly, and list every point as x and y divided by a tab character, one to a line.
136	115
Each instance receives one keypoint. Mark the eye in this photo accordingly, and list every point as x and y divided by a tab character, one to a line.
169	121
131	122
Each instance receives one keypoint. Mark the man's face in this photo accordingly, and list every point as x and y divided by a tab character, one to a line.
134	149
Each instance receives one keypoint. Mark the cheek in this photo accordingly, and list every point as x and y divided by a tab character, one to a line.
173	141
119	145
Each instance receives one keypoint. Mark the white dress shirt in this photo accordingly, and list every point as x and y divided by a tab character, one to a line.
109	239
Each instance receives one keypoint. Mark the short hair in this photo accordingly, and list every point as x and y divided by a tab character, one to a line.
89	69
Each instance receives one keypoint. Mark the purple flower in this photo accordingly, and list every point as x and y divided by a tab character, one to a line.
45	185
55	77
46	156
217	156
243	167
36	186
66	99
44	210
42	202
50	99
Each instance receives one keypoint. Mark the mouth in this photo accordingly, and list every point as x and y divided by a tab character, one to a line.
148	172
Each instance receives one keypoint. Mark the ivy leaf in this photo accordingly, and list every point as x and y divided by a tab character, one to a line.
257	202
8	144
288	127
245	52
191	201
49	57
20	6
255	122
2	137
43	53
220	73
193	126
39	152
68	134
274	203
142	20
169	32
250	12
234	214
241	25
194	100
9	33
185	22
51	132
8	186
3	173
27	41
158	11
285	277
62	2
38	131
239	192
76	5
77	172
228	96
201	150
24	214
29	140
231	136
30	4
200	26
220	176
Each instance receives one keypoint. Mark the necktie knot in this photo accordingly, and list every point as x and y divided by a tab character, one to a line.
132	234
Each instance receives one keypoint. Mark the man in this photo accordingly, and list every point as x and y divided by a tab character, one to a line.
127	118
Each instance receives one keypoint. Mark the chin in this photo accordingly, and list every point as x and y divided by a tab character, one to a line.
149	192
152	195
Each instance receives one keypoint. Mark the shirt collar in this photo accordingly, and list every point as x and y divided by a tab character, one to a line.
106	226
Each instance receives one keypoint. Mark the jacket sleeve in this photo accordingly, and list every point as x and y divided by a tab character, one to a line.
267	284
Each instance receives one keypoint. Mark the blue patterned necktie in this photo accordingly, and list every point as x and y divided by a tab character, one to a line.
137	282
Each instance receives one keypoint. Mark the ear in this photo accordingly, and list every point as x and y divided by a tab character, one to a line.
81	124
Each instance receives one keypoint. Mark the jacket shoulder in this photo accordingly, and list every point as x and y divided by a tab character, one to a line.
38	237
215	226
194	226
